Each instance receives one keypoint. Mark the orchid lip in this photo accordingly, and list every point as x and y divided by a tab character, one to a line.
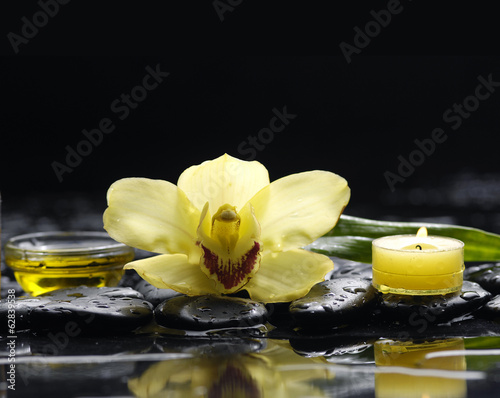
231	274
230	255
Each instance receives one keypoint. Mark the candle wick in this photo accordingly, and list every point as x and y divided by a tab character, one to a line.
419	247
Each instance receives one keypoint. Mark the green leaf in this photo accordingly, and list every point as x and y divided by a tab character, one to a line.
483	342
356	248
351	238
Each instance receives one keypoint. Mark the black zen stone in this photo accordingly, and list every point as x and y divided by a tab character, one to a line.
153	294
487	275
90	309
351	269
492	308
434	309
335	302
22	306
9	285
209	312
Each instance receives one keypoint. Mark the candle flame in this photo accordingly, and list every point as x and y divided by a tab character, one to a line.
422	231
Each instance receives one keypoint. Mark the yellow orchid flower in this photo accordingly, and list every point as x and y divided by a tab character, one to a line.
225	227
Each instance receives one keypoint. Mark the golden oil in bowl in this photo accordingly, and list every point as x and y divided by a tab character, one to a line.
47	261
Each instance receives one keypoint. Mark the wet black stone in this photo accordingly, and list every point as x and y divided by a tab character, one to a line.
130	278
154	295
487	275
472	269
82	309
9	285
351	269
492	308
335	302
22	307
279	315
422	310
209	312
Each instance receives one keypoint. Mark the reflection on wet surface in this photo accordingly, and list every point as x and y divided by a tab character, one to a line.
441	376
166	366
274	371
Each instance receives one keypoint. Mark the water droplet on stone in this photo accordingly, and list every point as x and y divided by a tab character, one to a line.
327	307
469	295
354	289
344	303
55	309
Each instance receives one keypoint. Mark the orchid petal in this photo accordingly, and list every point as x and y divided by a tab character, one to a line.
152	215
296	210
287	276
223	180
173	271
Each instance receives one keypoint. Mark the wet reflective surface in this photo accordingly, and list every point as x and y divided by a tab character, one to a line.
159	366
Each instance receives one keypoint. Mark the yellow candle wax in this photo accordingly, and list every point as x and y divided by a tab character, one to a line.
417	264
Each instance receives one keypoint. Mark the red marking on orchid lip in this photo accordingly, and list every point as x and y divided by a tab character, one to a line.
232	273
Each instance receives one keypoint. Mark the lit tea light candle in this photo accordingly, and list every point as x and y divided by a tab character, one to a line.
417	264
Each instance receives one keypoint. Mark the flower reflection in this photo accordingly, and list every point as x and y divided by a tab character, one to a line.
248	375
435	376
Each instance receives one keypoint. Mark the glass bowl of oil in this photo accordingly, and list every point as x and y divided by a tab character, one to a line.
46	261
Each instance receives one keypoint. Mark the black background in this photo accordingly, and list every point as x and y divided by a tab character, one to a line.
356	119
